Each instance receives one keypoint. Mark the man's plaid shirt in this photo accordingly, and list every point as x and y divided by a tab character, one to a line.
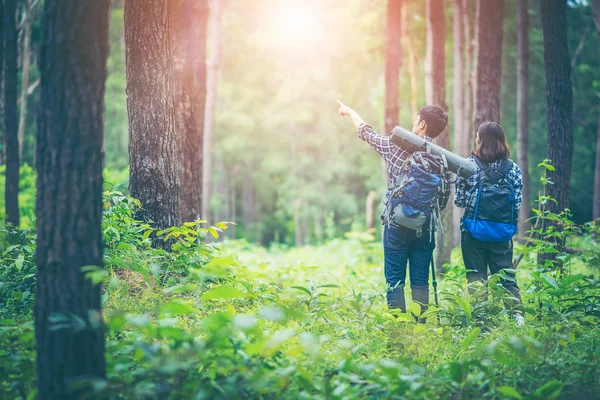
394	157
466	189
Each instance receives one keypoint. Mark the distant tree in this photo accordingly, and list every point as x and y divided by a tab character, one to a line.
11	121
212	77
189	48
523	111
595	4
2	78
69	161
559	97
153	139
489	61
393	59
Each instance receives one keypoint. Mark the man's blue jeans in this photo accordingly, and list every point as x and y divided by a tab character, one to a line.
402	246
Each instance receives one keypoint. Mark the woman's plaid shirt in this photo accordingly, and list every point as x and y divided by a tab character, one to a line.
394	157
466	189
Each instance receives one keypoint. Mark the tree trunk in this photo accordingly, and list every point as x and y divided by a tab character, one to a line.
490	15
559	99
2	77
412	68
25	63
393	54
596	211
458	104
11	140
436	39
153	142
212	77
523	112
189	46
233	202
595	4
69	163
370	207
298	223
467	125
559	96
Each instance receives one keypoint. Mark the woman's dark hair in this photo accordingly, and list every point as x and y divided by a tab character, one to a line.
436	119
492	144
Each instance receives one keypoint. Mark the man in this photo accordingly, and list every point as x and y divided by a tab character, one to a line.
403	245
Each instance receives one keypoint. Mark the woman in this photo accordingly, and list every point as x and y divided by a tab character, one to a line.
488	223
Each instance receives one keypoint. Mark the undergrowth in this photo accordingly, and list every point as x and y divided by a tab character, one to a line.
231	320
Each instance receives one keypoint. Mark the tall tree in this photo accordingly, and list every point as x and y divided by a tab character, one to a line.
523	110
393	58
212	77
11	121
153	141
559	98
2	77
25	68
595	4
189	46
411	61
436	94
490	16
69	161
458	103
469	80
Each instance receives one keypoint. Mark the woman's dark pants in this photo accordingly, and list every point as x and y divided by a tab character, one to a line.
479	256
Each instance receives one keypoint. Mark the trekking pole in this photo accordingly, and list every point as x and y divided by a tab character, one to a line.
434	283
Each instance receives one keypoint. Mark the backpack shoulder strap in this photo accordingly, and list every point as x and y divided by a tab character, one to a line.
506	166
481	164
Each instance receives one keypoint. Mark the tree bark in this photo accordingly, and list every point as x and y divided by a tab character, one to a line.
596	211
189	46
559	96
11	124
595	4
436	38
370	207
412	68
468	141
212	76
26	64
69	163
393	58
523	112
2	78
458	104
490	15
153	141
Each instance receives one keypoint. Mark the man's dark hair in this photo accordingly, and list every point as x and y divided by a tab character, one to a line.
436	119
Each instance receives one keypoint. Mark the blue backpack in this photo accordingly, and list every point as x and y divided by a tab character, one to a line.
494	218
414	201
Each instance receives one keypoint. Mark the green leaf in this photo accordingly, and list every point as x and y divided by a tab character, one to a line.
509	391
550	390
221	225
213	232
302	288
470	338
176	308
223	292
415	309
